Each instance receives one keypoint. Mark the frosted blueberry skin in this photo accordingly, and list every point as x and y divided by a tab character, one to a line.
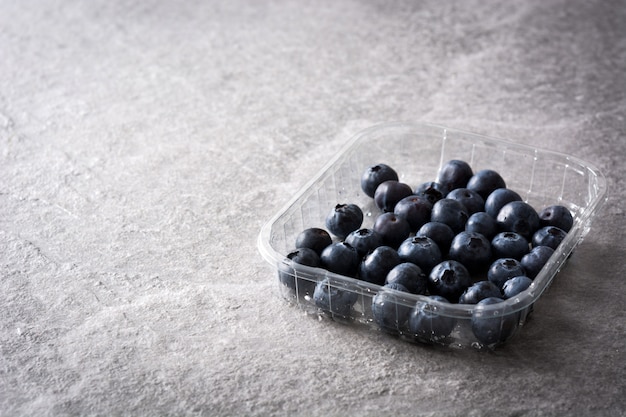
515	286
509	245
472	201
441	233
432	191
287	272
415	210
454	174
340	258
343	219
335	300
482	223
426	323
558	216
409	276
489	329
376	175
534	260
393	229
498	199
388	313
550	236
389	193
486	181
518	217
376	265
450	212
420	250
479	291
449	279
364	240
503	269
472	249
314	238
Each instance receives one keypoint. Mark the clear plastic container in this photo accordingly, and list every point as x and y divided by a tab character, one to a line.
416	152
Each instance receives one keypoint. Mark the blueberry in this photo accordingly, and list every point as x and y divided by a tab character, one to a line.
287	270
518	217
364	240
313	238
441	233
340	258
376	175
492	327
428	324
454	174
420	250
509	245
449	279
414	209
432	191
450	212
498	199
472	249
503	269
376	265
410	276
558	216
534	260
389	193
472	201
515	285
482	223
343	219
484	182
393	229
479	291
333	299
550	236
390	312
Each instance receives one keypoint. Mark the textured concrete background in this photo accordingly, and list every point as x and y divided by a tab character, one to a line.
143	145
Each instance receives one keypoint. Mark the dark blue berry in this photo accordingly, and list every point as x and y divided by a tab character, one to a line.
509	245
482	223
441	233
550	236
376	175
428	323
492	327
389	193
484	182
535	260
410	276
376	265
415	210
472	201
314	238
472	249
516	285
340	258
503	269
450	212
479	291
333	299
388	310
364	240
432	191
393	229
558	216
449	279
420	250
454	174
343	219
518	217
498	199
288	275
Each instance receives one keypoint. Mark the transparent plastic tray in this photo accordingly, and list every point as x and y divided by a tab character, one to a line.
416	152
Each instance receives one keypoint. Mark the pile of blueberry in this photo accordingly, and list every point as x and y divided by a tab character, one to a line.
464	238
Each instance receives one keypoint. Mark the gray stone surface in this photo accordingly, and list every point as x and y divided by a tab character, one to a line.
143	145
